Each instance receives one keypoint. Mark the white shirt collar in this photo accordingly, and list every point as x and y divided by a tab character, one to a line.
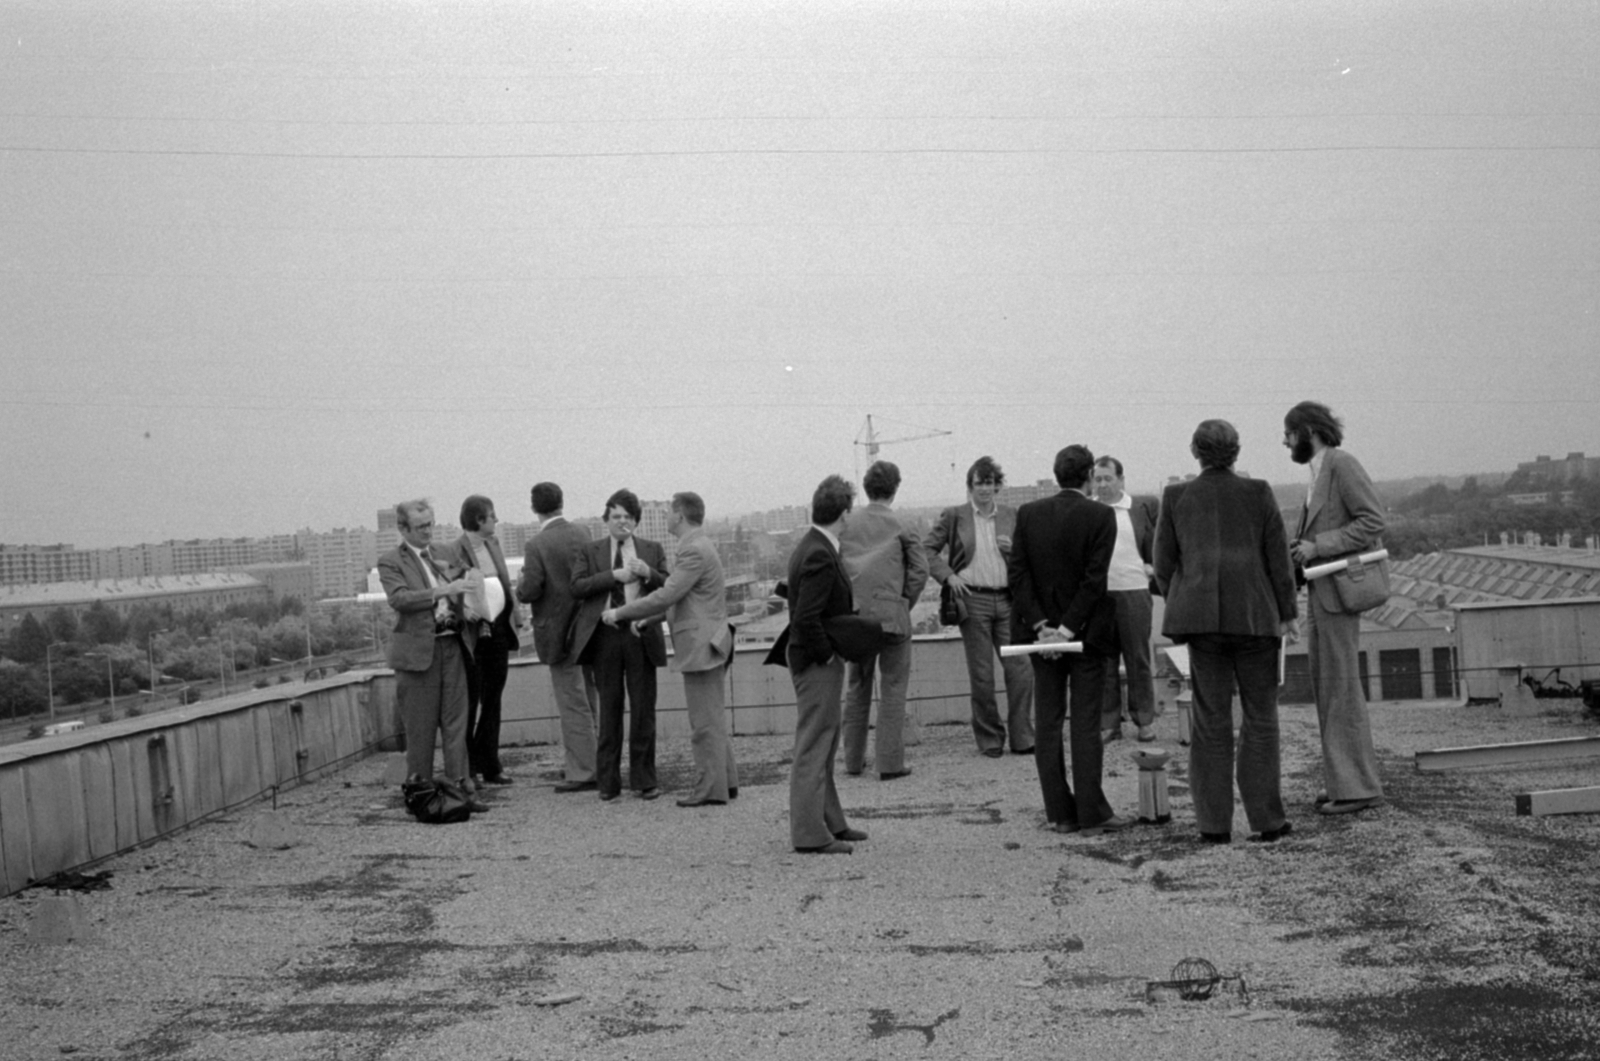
828	534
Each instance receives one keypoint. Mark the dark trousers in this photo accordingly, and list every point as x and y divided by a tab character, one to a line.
1221	663
815	814
486	681
1084	676
1134	610
622	672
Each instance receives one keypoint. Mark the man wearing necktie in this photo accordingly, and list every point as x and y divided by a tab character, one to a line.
493	615
431	647
609	573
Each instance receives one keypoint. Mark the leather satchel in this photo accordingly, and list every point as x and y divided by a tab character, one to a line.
1361	587
437	802
952	609
854	637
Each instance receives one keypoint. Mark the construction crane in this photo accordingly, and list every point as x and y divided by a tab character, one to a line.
868	437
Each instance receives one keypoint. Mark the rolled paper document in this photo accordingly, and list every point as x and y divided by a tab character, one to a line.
1339	565
1041	646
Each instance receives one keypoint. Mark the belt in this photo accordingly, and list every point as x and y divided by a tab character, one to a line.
995	590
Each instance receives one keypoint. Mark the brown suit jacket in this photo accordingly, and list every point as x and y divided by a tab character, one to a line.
1342	515
546	586
1222	558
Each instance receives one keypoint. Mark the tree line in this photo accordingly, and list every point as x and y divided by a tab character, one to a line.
1437	517
157	649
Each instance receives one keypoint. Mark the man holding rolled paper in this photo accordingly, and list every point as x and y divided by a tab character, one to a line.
493	613
1342	516
1060	552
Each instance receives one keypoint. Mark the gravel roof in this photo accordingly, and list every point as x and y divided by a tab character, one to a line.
556	926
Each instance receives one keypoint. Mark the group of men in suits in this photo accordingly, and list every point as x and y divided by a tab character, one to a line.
1078	571
1038	575
597	607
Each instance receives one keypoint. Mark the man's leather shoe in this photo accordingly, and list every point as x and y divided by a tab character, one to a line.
1147	734
1021	751
994	753
607	797
1062	827
1272	836
476	805
1110	825
497	779
848	833
1349	806
892	774
733	792
577	786
1217	838
650	793
1110	735
701	802
838	847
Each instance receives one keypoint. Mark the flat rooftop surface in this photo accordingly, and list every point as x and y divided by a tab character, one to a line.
555	926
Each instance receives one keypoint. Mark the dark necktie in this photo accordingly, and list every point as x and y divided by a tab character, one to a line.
618	597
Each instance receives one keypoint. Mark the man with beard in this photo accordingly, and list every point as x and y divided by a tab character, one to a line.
1341	516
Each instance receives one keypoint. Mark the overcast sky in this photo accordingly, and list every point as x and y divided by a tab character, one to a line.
268	266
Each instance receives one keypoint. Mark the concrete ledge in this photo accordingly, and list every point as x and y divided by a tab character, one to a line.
69	800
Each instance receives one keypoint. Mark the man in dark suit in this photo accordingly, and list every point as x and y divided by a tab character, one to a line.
1342	515
888	568
431	647
1059	556
818	591
611	572
978	538
1128	586
492	614
695	600
1222	563
546	586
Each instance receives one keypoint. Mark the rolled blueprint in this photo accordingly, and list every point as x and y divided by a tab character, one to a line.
1339	565
1042	646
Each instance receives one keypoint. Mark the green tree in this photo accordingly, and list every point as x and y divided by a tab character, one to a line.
22	691
101	625
61	625
28	641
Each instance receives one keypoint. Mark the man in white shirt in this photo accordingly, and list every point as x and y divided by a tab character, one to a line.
1128	585
977	537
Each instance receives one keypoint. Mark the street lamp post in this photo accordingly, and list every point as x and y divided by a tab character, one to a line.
150	654
111	678
49	679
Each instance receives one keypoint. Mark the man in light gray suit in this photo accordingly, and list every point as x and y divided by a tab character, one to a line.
1342	516
702	646
888	568
546	586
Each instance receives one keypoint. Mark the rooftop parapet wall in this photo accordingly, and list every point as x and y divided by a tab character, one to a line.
71	800
68	801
